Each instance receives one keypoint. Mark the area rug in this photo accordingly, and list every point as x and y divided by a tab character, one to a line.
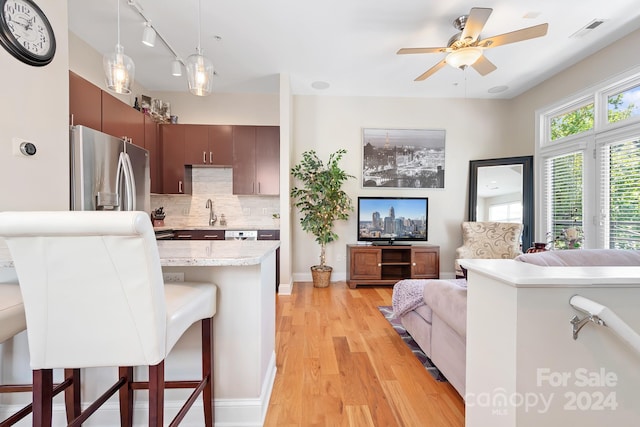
387	312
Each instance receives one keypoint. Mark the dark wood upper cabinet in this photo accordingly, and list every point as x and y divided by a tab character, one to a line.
268	159
244	159
175	180
85	102
122	120
152	145
256	160
221	145
196	144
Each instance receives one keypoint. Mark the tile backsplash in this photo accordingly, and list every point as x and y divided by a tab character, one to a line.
217	184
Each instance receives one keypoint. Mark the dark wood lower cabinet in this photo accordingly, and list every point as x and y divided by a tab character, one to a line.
198	234
386	265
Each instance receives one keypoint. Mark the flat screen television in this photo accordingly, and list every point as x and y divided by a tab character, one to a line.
389	220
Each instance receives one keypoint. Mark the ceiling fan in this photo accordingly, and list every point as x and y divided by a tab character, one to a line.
466	48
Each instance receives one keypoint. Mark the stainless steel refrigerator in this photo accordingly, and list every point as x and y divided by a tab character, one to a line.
107	173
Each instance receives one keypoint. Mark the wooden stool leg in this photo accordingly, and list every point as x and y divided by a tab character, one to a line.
156	395
72	397
126	397
207	372
42	397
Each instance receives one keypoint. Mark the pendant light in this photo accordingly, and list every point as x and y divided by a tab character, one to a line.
118	67
199	68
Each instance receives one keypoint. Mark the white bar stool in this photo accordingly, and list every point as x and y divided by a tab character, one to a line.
94	297
12	322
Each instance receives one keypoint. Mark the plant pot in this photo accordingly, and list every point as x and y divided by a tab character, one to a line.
321	276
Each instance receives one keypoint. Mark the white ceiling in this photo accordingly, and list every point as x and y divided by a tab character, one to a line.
350	44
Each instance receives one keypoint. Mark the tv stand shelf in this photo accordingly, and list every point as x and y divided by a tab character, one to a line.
386	265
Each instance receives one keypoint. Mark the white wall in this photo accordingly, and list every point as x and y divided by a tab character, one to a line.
474	130
34	108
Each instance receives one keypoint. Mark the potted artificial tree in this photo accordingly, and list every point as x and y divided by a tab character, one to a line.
321	202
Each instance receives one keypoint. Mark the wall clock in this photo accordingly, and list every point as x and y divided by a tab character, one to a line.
25	32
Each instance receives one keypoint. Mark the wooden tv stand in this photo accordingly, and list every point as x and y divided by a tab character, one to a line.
386	265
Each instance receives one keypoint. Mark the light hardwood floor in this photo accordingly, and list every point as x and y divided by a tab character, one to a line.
340	363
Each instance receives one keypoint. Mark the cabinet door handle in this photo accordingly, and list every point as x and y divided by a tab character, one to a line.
184	236
414	264
179	186
211	236
211	157
204	157
379	264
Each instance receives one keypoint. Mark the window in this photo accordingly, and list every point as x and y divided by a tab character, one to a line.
623	105
572	122
564	198
620	170
589	168
506	212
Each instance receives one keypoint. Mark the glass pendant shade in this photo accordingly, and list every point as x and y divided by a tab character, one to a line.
119	71
463	57
199	74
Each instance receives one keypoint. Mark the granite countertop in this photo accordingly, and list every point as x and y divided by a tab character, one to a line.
204	253
199	253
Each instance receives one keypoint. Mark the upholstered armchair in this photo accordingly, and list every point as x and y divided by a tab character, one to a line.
488	240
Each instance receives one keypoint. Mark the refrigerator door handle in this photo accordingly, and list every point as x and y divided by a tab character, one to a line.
130	183
119	173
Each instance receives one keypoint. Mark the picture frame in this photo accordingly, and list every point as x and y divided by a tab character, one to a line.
403	158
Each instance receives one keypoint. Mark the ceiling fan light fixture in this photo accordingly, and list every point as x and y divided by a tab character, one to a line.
149	35
464	57
119	69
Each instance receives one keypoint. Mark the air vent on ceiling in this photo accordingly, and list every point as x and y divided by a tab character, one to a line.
587	28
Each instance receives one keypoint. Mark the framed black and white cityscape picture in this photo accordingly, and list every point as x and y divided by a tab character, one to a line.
403	158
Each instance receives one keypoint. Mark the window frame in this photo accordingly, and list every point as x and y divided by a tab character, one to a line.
590	143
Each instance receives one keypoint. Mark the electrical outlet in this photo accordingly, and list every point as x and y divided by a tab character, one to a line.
173	277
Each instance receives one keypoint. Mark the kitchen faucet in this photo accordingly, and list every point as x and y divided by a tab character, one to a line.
212	217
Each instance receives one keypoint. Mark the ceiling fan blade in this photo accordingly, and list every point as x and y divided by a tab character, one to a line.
406	50
515	36
431	71
484	66
475	23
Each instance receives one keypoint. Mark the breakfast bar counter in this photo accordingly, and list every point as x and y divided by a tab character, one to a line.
244	333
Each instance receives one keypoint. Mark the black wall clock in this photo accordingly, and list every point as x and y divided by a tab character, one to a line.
26	33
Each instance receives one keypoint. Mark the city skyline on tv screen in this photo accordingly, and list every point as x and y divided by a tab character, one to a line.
392	218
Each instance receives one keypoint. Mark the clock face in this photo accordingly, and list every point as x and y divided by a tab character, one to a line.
26	32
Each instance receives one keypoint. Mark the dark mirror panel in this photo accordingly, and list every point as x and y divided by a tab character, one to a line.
502	190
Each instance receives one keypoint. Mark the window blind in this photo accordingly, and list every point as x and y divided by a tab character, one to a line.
564	185
620	194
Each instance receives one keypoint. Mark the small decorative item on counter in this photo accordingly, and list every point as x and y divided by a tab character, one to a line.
157	217
537	247
223	220
569	238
